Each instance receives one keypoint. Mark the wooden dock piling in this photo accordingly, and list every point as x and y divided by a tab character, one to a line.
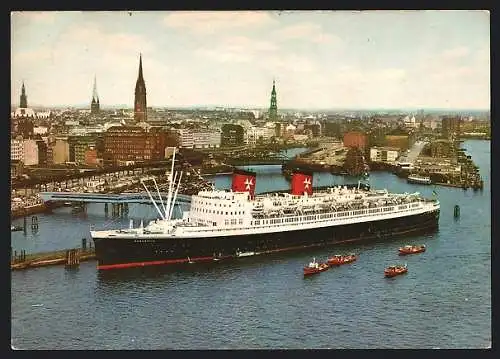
22	260
72	258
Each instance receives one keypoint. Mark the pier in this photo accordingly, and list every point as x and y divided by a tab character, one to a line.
71	258
25	261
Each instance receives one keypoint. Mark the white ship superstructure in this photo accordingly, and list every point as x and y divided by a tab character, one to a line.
220	213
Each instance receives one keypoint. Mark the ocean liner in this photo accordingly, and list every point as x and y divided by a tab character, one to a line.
222	224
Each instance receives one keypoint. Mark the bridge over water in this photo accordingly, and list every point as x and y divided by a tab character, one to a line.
256	162
122	198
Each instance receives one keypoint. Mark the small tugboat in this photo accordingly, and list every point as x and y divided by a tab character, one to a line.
393	271
411	249
217	258
14	228
244	254
315	267
419	179
338	259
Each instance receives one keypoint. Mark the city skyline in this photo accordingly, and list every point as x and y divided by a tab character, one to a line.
320	60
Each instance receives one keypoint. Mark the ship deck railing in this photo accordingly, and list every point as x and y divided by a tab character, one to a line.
339	209
301	221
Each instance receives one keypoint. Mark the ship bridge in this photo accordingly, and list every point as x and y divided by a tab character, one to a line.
141	197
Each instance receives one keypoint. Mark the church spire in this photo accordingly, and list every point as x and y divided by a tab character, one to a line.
23	102
140	77
94	106
95	96
273	108
140	107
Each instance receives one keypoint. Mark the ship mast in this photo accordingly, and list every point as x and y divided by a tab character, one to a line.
175	196
171	180
168	209
159	195
152	200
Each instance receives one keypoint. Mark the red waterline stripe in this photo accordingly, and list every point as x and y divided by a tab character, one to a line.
198	259
311	245
151	263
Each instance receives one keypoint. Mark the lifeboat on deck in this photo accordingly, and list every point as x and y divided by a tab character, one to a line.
411	250
338	259
393	271
315	267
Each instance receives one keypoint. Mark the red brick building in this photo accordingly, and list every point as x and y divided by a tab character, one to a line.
91	157
356	140
133	143
399	141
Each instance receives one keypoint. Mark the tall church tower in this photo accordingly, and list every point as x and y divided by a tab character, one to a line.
23	102
140	111
94	106
273	109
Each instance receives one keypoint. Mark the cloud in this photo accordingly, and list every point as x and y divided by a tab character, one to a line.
305	31
237	49
346	86
210	22
31	55
455	53
80	42
262	53
456	65
35	16
293	63
351	76
92	37
71	61
236	61
455	77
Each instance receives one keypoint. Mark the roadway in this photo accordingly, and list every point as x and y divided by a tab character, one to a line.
415	151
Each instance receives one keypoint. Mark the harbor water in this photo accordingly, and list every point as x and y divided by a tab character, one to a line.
264	302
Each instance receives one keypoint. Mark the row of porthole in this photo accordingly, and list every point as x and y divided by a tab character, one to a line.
208	204
216	212
258	224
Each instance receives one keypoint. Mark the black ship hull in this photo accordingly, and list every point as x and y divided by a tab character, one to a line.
122	253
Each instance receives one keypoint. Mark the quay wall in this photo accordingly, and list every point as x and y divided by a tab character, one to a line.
36	209
19	261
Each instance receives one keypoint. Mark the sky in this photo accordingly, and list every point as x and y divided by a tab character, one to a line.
319	59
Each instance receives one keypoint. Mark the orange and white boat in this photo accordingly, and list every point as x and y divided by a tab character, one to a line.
338	259
315	267
393	271
411	249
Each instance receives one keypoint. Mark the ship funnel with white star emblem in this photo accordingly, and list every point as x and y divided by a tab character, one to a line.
244	181
302	182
